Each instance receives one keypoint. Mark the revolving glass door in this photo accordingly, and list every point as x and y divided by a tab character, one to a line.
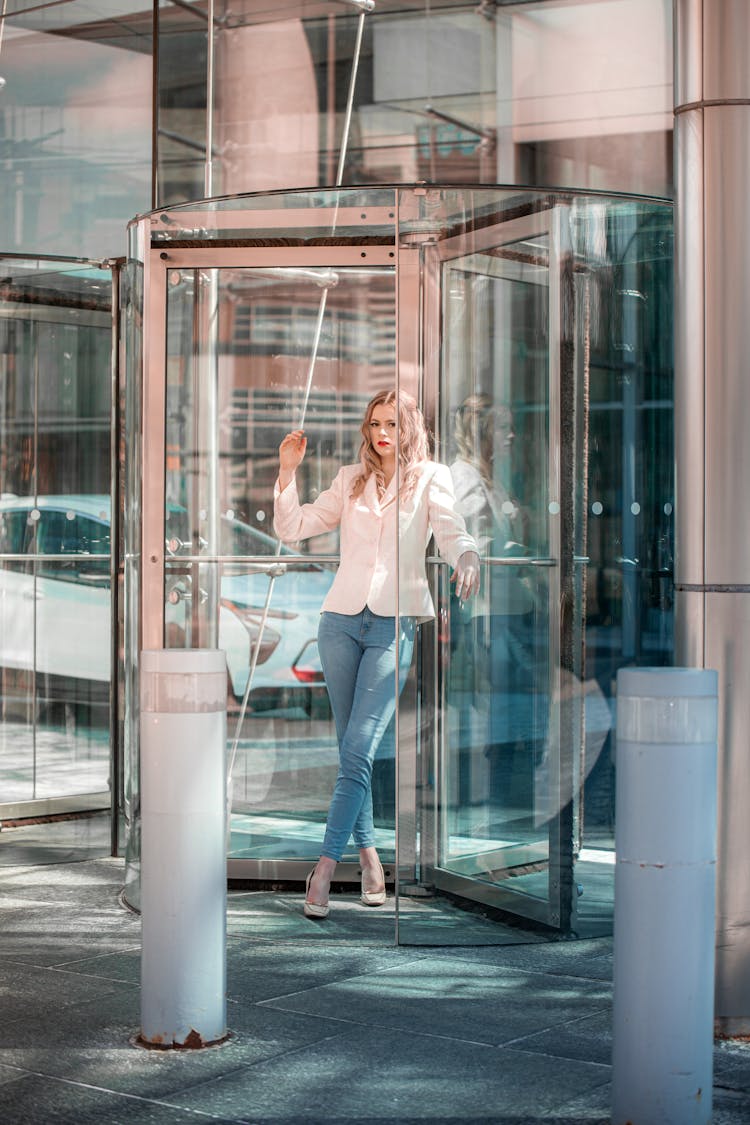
264	315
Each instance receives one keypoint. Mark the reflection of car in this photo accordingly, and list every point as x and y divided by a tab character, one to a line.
55	615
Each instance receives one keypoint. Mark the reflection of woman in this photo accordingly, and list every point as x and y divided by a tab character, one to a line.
501	621
382	560
484	438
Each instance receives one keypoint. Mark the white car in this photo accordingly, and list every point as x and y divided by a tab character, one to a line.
55	612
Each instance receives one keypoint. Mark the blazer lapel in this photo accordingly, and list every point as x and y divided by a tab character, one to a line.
370	494
390	493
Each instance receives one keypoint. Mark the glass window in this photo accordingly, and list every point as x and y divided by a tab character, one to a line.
55	611
13	531
75	117
574	94
66	532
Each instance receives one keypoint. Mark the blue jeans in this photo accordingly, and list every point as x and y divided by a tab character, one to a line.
358	654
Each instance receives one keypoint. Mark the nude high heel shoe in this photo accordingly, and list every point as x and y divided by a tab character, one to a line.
313	909
373	898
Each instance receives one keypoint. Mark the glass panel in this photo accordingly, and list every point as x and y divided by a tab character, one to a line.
445	93
55	361
629	473
180	97
56	642
73	641
489	764
500	442
241	345
75	117
305	217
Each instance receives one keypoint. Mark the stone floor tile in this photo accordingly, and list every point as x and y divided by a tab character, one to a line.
730	1107
122	964
732	1065
31	994
274	971
591	1107
451	999
380	1075
93	1044
270	917
588	1038
43	1101
11	1073
589	959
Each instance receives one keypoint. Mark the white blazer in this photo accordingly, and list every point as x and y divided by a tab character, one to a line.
368	574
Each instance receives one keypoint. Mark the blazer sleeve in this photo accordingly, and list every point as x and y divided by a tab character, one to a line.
473	502
447	523
293	521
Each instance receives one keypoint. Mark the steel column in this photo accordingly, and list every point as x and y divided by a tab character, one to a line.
712	417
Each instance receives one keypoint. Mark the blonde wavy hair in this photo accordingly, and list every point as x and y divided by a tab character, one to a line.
475	433
413	443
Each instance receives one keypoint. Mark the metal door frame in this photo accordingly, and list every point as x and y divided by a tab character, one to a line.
159	262
159	259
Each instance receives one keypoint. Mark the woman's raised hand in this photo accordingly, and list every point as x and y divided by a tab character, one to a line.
291	453
292	450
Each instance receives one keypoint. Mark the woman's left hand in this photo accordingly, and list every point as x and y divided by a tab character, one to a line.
466	575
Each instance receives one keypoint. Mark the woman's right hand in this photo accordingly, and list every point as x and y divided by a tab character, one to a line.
291	453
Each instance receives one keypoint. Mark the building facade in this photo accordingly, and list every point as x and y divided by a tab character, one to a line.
517	279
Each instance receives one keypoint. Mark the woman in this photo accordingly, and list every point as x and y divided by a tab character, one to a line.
383	541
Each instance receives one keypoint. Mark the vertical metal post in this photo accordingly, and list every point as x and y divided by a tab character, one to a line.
206	486
183	864
115	541
631	397
712	418
331	99
665	882
208	178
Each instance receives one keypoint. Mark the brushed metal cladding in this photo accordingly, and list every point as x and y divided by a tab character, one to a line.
726	48
688	51
689	390
727	329
690	616
728	650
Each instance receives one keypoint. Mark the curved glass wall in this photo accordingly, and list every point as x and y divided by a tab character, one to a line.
533	328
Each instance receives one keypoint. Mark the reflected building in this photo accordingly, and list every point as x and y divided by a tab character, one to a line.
524	259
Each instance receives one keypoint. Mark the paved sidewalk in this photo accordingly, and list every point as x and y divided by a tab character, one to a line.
330	1022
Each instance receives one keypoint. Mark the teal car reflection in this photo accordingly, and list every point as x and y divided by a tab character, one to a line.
55	610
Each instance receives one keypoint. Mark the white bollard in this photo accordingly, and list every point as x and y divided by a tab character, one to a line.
183	847
665	880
